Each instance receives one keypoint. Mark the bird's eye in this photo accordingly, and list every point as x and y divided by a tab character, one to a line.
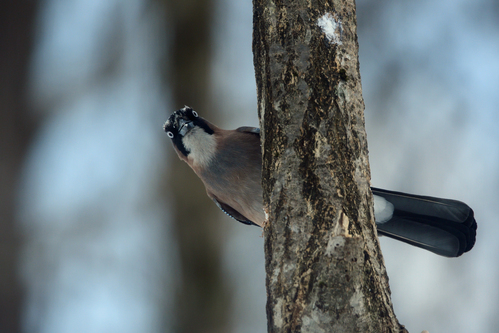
170	134
194	113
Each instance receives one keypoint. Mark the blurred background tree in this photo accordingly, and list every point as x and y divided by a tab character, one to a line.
17	19
202	299
92	239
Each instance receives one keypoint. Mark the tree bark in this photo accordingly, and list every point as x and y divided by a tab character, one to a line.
325	271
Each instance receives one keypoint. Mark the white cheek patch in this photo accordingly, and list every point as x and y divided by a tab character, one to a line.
383	209
201	146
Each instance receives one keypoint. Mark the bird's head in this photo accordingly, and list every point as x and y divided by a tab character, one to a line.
191	135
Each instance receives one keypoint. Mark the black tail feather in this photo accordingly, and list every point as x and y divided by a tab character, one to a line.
445	227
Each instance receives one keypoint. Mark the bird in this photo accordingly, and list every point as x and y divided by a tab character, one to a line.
229	163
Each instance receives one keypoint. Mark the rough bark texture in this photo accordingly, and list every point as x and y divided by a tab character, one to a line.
325	272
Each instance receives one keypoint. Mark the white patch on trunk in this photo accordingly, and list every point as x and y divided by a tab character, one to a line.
201	146
331	26
278	318
383	209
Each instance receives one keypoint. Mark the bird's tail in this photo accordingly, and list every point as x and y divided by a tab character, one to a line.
445	227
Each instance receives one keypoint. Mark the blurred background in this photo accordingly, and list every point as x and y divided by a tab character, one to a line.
102	229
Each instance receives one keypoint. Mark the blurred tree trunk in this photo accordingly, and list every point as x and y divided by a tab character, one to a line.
16	38
325	271
203	297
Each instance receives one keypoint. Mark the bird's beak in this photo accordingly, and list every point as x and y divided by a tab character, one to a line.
185	126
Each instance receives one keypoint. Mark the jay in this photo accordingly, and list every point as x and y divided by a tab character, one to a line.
229	162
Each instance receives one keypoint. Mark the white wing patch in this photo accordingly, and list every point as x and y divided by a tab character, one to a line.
383	209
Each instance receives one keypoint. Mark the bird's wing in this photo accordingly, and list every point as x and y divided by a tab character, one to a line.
249	129
231	212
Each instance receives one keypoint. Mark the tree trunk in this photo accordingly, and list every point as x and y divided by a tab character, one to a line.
203	296
17	20
325	271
